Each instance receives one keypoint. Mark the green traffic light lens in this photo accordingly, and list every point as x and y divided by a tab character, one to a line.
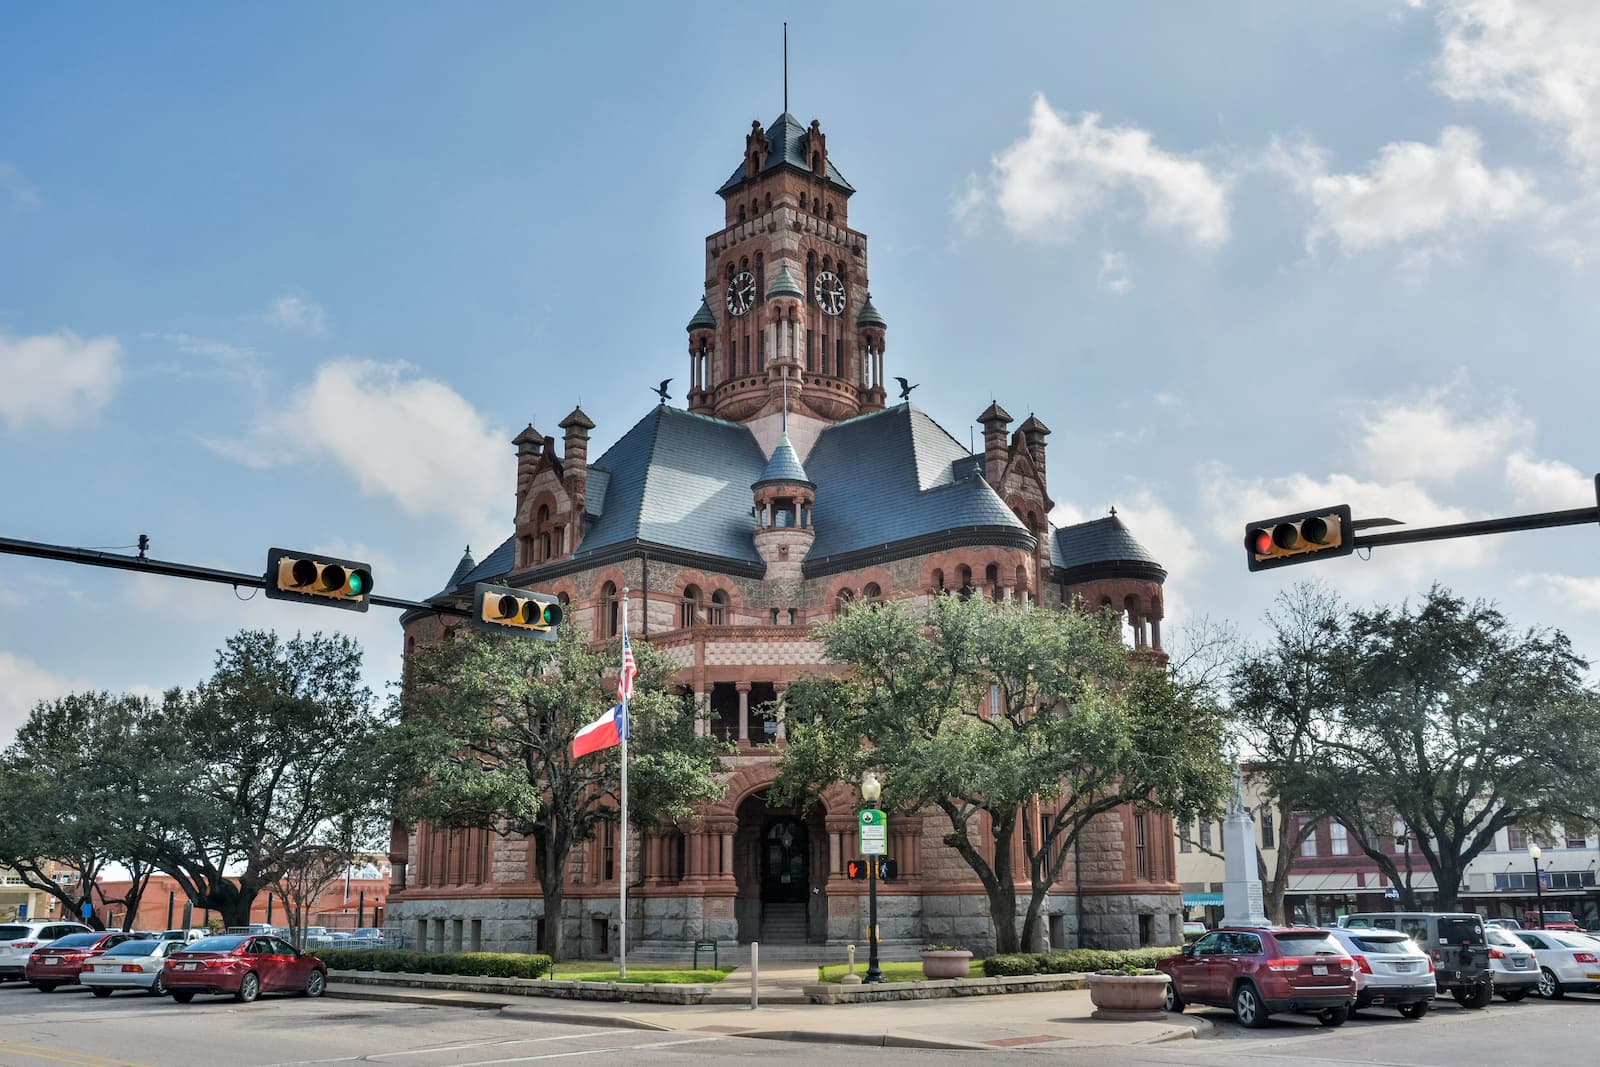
356	585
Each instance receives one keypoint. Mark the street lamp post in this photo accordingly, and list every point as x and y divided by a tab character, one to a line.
871	790
1538	882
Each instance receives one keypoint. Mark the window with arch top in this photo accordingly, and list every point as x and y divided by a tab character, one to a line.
871	594
689	609
609	610
717	614
844	601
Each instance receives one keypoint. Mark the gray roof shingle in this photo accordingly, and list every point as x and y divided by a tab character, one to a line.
1100	544
784	466
787	142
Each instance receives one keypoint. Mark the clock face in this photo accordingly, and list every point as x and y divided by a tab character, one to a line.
830	293
741	292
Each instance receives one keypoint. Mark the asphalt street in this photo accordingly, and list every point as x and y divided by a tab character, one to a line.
131	1030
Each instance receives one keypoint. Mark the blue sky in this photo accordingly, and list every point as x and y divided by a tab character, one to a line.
295	275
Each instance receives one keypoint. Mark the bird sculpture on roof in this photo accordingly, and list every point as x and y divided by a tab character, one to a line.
905	387
661	390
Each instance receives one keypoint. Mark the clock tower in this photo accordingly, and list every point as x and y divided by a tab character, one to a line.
787	320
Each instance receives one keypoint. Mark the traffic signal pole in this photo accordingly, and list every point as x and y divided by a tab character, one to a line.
1542	521
145	565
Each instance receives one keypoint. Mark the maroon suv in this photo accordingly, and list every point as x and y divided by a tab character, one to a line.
1257	971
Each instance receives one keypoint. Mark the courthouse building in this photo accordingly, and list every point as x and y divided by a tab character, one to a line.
789	486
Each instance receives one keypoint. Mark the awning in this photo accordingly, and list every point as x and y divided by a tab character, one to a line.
1202	900
1347	882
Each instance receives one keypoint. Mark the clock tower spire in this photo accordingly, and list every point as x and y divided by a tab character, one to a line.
786	288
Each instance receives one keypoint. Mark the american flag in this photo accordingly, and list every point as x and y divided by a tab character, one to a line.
629	669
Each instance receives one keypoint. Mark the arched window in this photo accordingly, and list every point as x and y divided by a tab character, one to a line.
769	201
718	613
938	580
608	610
741	212
830	212
525	549
871	594
543	527
964	573
991	578
803	201
845	601
689	610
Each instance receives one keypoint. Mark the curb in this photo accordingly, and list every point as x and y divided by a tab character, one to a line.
447	1000
510	1011
576	1018
883	1040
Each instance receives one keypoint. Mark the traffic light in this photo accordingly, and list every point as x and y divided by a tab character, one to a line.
497	608
856	870
1308	535
317	579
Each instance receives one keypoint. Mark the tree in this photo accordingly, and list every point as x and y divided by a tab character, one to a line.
302	884
1458	726
997	715
278	746
73	783
503	710
1280	696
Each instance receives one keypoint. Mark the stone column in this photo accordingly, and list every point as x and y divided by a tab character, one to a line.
744	712
727	853
782	734
702	721
1155	633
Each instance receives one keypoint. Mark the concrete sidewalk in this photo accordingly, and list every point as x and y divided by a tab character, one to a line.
1022	1020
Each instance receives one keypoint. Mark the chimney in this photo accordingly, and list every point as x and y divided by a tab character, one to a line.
994	421
530	446
1034	432
575	456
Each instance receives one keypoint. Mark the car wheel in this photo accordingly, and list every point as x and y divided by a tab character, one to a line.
1513	995
158	988
101	993
183	996
1247	1007
1549	988
1174	1002
1481	996
316	982
1460	994
1414	1011
249	988
46	987
1333	1016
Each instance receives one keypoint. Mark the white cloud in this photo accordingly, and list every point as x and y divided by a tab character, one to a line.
1539	58
1574	593
226	361
1547	484
291	312
1430	440
410	438
1114	272
57	379
23	683
1063	172
1410	192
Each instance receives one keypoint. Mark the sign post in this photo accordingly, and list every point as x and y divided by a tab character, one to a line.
874	841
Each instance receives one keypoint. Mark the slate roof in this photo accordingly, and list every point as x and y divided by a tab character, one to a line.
683	482
784	466
703	319
495	565
787	141
1101	546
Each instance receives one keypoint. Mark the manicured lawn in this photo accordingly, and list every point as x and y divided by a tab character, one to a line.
606	971
892	972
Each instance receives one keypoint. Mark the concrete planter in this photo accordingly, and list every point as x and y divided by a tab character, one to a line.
948	963
1132	997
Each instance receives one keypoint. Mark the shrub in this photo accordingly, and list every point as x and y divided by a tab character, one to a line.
473	964
1073	961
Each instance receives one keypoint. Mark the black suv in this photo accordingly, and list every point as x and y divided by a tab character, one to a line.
1455	942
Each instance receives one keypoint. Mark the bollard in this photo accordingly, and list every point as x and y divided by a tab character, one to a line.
755	975
852	978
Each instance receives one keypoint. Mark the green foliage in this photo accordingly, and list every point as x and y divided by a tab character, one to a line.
997	710
898	971
1076	961
498	714
407	961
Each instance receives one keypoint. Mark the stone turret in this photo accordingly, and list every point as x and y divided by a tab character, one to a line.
784	498
530	447
1034	432
994	421
575	456
702	347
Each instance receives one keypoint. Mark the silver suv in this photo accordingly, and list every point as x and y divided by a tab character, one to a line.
17	939
1390	970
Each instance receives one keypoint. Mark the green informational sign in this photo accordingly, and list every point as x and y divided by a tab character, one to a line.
874	828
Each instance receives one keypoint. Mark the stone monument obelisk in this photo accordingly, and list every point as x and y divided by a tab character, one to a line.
1242	903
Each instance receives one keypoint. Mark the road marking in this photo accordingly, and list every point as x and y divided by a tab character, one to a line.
61	1055
587	1052
383	1056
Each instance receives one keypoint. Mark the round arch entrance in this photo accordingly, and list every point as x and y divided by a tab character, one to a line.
781	866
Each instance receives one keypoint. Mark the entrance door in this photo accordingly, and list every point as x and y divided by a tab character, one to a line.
784	874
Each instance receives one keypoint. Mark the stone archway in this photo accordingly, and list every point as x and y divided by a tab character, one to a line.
781	866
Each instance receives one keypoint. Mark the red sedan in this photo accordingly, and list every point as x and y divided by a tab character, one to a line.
60	962
245	965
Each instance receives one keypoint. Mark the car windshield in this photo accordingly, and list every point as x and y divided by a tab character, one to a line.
76	940
1501	939
1378	945
12	933
1309	944
1558	917
1461	931
225	943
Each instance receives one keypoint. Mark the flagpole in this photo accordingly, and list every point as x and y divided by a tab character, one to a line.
622	937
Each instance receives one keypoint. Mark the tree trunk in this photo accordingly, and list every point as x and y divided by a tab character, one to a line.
555	901
552	880
1003	892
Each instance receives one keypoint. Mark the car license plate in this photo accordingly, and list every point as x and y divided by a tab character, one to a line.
52	960
1403	968
1319	969
105	968
186	966
1519	963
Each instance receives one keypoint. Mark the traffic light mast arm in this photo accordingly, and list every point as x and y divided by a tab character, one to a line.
143	564
1542	521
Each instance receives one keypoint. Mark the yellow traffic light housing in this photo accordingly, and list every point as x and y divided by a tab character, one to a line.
498	608
1308	535
311	577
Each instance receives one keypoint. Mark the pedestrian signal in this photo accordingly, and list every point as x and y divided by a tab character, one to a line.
856	870
318	579
1309	535
888	869
499	608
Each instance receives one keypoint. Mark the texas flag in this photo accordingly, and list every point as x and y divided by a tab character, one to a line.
609	729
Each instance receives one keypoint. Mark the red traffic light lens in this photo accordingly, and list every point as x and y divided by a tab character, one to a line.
1261	542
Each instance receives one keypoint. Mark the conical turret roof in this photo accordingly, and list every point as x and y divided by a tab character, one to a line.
784	467
869	316
703	319
785	285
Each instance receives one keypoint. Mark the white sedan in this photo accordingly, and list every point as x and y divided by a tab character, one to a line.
130	965
1568	962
